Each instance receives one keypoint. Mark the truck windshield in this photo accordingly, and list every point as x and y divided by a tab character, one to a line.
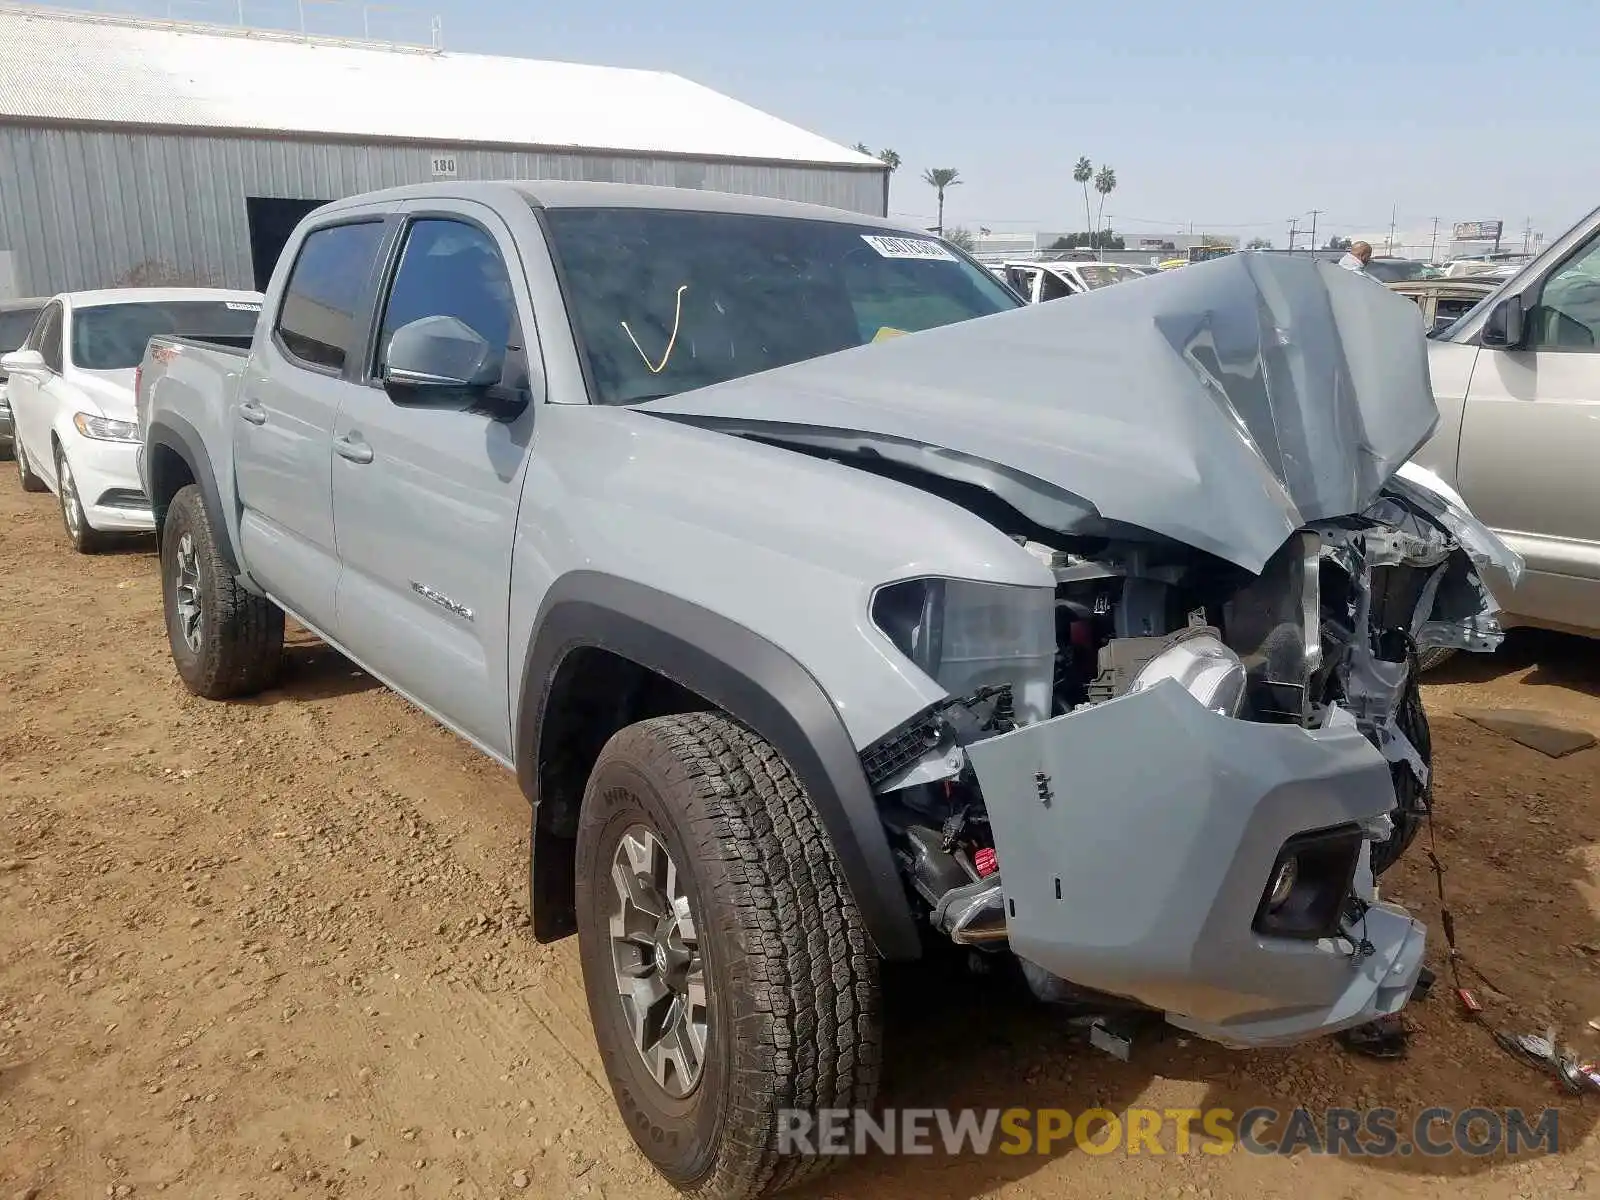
664	301
112	337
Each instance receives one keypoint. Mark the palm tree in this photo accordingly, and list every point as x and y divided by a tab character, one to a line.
861	148
1082	174
1105	182
889	159
940	178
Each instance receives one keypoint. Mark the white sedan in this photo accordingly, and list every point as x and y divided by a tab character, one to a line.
71	389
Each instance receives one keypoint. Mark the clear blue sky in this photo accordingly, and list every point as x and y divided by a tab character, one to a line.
1235	116
1238	114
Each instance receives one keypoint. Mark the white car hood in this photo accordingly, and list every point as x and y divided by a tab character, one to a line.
1224	406
110	391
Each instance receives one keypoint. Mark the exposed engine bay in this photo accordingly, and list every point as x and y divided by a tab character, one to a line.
1167	772
1327	634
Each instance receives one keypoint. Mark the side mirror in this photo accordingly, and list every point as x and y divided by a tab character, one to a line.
23	362
1504	327
442	362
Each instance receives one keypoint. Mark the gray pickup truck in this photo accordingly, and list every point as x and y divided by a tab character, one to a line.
829	604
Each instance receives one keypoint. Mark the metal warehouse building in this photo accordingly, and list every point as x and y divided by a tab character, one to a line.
136	151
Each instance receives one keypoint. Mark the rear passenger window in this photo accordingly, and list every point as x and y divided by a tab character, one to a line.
318	321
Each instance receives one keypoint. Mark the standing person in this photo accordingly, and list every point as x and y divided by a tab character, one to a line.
1355	258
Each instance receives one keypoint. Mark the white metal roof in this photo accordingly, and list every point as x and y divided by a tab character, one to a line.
57	66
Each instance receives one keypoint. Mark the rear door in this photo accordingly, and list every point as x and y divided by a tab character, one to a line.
1531	438
282	425
424	500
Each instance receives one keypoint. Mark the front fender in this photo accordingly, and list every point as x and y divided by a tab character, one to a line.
751	679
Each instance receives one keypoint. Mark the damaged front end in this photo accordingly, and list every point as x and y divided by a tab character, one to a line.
1168	775
1183	802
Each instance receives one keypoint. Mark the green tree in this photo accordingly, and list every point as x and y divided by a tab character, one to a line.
1105	182
1082	174
957	236
1258	243
941	179
1214	239
889	159
861	148
1105	239
1338	243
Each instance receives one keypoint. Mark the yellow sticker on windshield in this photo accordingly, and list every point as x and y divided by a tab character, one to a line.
887	332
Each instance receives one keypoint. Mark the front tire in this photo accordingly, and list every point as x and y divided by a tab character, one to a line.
225	641
728	972
1413	801
28	481
84	537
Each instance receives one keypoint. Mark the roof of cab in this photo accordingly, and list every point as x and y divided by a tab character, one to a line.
564	193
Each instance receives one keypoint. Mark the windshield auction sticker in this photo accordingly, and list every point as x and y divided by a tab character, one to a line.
903	247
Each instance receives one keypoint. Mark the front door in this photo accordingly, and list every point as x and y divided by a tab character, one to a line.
293	385
1531	438
32	404
425	500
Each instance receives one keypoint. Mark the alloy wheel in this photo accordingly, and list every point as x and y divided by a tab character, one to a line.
71	509
655	952
186	592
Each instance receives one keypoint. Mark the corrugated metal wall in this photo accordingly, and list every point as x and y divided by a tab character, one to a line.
83	209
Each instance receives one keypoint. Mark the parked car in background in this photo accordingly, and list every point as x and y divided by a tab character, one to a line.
825	598
16	319
1037	282
1517	382
1442	302
1396	270
71	391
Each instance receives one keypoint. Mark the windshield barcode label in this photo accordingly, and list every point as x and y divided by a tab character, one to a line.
904	247
239	306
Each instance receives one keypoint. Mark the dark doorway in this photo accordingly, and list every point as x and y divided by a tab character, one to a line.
271	222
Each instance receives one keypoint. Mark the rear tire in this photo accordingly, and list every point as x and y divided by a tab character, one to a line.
225	641
25	476
787	977
84	537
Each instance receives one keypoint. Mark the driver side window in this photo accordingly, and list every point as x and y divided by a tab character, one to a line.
49	338
1567	316
450	269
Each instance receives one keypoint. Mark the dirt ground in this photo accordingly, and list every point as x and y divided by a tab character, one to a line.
279	948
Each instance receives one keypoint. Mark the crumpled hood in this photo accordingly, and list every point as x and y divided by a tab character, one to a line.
1223	405
111	390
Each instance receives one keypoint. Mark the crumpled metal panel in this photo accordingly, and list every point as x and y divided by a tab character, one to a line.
1223	405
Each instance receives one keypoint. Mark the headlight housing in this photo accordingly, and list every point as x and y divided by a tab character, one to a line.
1204	667
104	429
966	635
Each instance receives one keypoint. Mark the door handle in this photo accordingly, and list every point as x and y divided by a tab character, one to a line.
353	450
253	412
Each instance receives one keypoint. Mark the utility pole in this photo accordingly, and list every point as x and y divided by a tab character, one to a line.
1394	216
1527	234
1433	246
1293	221
1315	213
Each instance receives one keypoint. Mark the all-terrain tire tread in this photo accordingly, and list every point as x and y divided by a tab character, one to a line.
242	650
811	966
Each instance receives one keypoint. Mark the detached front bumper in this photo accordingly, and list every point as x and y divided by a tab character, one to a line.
1136	840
